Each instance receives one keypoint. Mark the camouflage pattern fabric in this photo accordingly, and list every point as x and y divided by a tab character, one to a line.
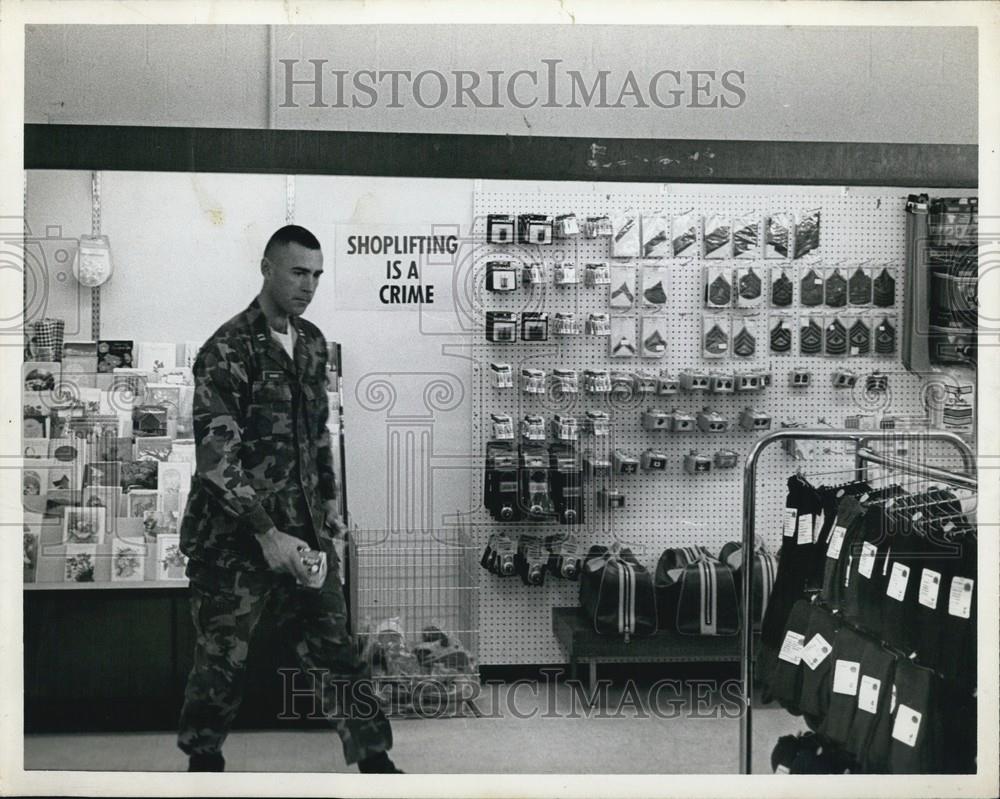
262	445
226	607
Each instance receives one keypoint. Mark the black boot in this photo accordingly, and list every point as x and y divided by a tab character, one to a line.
378	764
206	761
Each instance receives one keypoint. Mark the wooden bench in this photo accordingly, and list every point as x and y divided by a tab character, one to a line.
576	634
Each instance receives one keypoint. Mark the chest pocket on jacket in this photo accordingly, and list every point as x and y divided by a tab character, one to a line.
271	407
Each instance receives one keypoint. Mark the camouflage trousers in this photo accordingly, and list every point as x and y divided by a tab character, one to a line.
226	607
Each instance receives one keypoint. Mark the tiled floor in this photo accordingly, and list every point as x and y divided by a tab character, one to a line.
528	740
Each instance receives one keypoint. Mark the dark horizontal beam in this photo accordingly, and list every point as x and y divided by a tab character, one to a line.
437	155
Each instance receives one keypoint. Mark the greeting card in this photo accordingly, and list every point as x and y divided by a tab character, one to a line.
80	562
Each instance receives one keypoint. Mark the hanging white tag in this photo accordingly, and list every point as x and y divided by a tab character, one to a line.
845	677
863	498
791	648
820	521
779	769
847	571
907	725
836	541
892	700
930	583
805	528
788	525
866	560
816	651
885	563
897	582
960	599
868	694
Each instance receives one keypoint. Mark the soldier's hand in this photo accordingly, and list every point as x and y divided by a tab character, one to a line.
334	522
281	551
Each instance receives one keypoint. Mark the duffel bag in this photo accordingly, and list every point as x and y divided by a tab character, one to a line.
616	593
669	572
707	604
765	570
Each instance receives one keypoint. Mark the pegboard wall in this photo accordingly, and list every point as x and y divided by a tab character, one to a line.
673	508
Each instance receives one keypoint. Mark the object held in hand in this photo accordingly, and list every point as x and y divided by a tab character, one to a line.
314	563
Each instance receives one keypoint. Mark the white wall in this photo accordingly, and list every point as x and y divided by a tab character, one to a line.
825	84
187	251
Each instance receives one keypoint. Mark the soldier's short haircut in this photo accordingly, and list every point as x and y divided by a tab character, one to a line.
291	234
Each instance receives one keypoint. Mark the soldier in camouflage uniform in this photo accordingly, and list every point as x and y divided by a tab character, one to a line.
263	490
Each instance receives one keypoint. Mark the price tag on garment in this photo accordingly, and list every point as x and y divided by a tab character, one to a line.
836	541
845	677
847	571
816	651
897	581
907	725
960	600
805	528
779	769
885	563
820	521
866	560
892	700
930	582
788	525
791	648
868	694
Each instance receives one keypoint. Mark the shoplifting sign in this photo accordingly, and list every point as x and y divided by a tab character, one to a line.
399	257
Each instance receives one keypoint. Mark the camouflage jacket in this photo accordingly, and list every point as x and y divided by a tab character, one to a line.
262	445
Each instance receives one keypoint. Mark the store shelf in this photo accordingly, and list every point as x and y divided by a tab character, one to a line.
141	586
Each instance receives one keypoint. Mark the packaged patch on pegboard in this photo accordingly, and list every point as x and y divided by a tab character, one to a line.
718	286
534	274
499	229
782	287
781	335
621	291
810	335
565	273
566	226
684	234
778	230
749	284
534	229
596	227
885	335
565	324
655	237
654	336
834	337
952	407
622	343
655	287
807	233
859	286
859	335
884	286
746	237
714	335
716	237
598	324
745	338
811	287
835	287
597	274
625	240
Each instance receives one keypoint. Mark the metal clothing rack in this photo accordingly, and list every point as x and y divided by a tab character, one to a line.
864	456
